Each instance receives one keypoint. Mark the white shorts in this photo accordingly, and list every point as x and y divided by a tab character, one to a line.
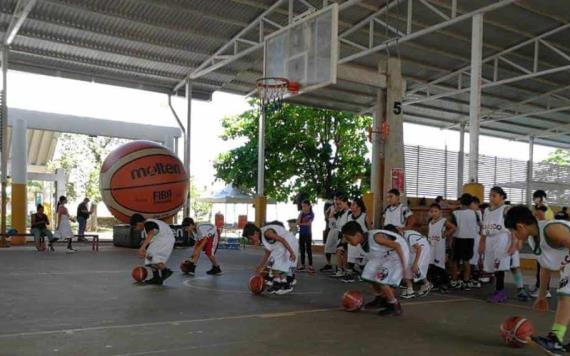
423	266
159	251
564	286
355	254
281	261
438	256
497	257
475	259
332	241
387	270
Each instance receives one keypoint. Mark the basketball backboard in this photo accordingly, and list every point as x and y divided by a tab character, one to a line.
306	51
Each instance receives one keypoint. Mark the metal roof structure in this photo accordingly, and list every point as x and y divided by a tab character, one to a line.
156	44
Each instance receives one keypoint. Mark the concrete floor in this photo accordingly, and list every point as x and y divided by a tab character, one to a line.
87	304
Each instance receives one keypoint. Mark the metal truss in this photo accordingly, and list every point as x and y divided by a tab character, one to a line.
23	8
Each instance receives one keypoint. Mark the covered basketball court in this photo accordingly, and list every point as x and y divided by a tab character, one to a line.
500	68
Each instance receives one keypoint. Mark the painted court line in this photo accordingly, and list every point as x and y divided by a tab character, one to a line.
189	321
166	351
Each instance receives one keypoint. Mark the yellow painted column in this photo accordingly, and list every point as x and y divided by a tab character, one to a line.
19	180
260	210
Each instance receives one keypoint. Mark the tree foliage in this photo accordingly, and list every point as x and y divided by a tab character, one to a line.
560	157
309	152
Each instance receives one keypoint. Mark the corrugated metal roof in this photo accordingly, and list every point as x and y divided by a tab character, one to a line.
153	44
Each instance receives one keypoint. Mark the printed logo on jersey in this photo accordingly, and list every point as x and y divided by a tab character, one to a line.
491	229
565	261
382	273
563	282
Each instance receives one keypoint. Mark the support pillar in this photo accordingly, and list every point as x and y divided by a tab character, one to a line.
188	145
530	171
377	171
260	200
461	160
19	179
4	145
475	96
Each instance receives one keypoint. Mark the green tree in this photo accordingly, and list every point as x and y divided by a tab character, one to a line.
309	152
560	157
199	210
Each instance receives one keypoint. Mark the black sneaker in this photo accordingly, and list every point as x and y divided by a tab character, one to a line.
466	285
191	267
378	302
549	343
348	278
215	270
273	288
326	268
394	309
153	281
165	274
286	288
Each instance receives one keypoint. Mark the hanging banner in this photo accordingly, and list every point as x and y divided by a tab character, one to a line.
398	179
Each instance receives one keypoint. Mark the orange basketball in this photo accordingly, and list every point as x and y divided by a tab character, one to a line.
139	273
256	284
352	300
185	266
143	177
516	331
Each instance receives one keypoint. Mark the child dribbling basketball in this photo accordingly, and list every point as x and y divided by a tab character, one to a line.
387	263
280	247
156	247
418	264
207	239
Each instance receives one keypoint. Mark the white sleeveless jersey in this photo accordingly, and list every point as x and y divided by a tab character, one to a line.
467	224
549	257
361	220
375	249
342	220
164	231
436	230
415	238
397	215
272	245
494	221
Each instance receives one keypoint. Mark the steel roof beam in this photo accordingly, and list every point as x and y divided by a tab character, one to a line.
23	9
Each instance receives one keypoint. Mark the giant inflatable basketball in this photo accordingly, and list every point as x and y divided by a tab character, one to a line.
143	177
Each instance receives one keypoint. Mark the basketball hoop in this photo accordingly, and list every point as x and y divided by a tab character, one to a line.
270	91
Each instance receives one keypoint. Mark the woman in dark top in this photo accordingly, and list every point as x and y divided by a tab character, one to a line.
305	220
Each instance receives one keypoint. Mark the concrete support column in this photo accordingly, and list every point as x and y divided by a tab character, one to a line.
261	201
530	172
19	179
461	160
475	96
188	145
377	174
4	144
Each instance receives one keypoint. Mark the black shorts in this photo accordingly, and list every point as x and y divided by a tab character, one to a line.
463	249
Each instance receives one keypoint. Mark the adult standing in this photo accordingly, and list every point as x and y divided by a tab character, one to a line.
82	216
63	223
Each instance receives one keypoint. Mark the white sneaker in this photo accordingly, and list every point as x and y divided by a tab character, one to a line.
338	274
408	293
534	293
70	250
294	282
288	288
425	289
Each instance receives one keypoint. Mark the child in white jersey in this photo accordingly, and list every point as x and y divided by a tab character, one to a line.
439	230
386	266
280	246
500	248
550	242
418	264
397	214
355	254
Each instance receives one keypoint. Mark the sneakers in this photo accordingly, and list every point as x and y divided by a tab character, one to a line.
153	281
408	294
456	284
466	285
348	278
392	309
339	274
549	343
326	268
377	302
523	295
443	289
286	288
191	267
215	271
300	269
474	284
310	269
165	274
425	289
499	296
534	293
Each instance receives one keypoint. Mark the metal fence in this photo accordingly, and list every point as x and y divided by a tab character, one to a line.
431	172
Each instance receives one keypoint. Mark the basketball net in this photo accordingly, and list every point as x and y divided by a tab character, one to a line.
270	91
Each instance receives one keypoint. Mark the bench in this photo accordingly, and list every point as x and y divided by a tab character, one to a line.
94	242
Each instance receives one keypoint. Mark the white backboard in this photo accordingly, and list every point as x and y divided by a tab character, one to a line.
305	51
